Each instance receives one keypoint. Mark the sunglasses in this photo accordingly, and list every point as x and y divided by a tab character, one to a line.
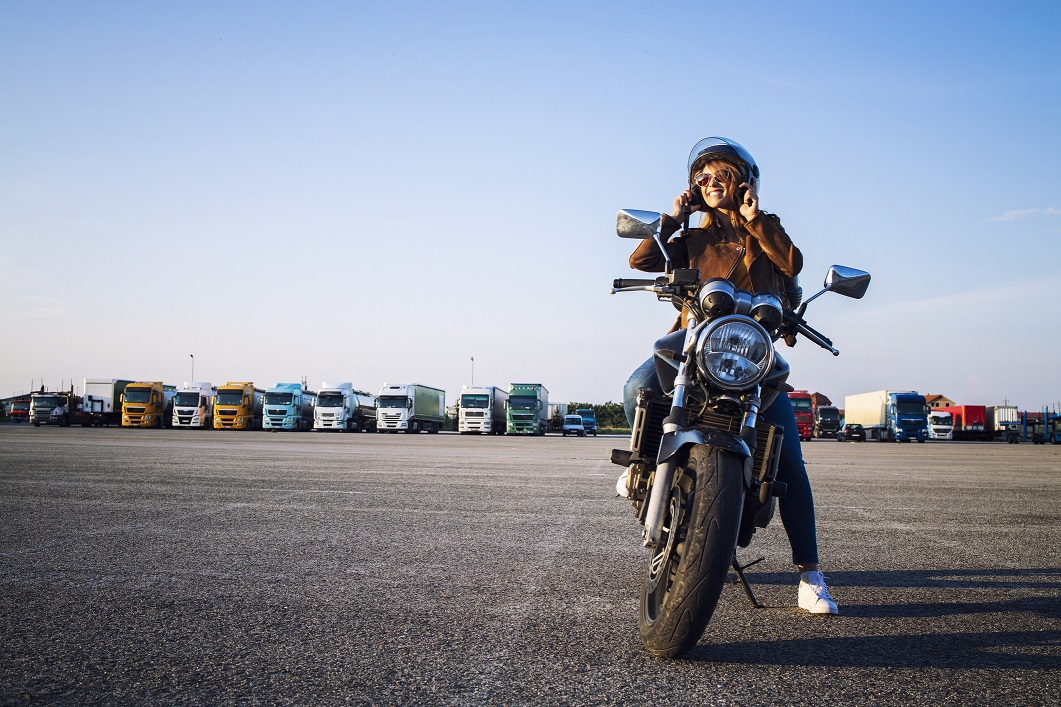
721	177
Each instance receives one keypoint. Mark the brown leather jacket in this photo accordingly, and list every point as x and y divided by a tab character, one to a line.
757	260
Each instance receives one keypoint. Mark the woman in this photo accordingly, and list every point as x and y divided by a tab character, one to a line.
738	241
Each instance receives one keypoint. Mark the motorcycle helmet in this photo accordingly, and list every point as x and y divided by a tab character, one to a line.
720	148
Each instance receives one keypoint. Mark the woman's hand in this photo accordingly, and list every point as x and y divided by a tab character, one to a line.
685	204
749	205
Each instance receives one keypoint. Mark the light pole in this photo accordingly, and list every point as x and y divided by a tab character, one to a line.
473	372
193	368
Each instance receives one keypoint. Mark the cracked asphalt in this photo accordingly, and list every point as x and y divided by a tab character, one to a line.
191	567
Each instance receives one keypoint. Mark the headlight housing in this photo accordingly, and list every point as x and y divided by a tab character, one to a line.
734	352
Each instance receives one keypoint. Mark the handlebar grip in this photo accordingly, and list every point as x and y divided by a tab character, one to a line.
632	282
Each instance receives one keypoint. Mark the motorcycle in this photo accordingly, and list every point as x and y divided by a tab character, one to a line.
702	465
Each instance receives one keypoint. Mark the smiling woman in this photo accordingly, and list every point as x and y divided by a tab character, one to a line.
738	242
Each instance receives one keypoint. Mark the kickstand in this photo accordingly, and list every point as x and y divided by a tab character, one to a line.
743	581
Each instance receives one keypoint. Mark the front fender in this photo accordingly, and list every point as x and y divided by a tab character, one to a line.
673	444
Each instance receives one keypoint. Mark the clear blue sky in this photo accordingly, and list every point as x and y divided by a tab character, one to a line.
349	191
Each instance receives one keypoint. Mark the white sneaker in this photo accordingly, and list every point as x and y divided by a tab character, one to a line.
620	486
814	595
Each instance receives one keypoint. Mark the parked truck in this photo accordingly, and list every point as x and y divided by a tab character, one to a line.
482	410
19	410
238	406
193	406
61	408
148	404
343	408
102	400
288	406
888	415
803	408
940	424
589	420
528	409
410	408
826	421
1001	421
969	422
557	414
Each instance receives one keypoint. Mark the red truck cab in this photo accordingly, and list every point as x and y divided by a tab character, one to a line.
19	411
803	408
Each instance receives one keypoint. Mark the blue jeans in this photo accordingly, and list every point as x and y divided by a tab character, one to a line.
797	507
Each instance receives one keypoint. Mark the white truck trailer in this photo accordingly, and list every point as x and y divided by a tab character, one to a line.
193	406
342	408
482	410
1002	421
410	408
103	400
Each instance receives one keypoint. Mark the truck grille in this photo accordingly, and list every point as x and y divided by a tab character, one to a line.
134	409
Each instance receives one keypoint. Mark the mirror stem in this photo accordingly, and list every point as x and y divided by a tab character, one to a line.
666	256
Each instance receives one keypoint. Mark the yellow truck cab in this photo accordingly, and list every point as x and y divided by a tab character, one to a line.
237	406
147	404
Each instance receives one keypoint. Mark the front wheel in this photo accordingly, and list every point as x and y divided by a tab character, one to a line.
685	573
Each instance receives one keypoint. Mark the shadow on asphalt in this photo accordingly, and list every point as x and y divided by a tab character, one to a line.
1007	649
987	649
1039	578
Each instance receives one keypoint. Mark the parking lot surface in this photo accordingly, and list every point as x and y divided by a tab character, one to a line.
210	567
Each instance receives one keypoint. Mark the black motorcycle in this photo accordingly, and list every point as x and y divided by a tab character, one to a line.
702	465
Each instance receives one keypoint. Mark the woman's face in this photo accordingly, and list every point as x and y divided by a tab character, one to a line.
717	182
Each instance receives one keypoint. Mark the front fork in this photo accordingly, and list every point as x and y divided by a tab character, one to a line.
674	423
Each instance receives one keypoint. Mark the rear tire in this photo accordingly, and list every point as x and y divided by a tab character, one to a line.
685	573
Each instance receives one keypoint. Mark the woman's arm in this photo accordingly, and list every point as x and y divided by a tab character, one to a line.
778	247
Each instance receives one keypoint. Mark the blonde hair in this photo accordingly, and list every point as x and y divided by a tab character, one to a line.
712	216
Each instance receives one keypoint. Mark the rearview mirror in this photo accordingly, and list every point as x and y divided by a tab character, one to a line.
633	223
846	281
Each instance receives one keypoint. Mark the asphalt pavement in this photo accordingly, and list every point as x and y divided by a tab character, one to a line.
203	567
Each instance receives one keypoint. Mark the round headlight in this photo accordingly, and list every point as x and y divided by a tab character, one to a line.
734	353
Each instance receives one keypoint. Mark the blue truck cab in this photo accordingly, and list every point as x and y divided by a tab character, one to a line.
907	417
288	407
589	420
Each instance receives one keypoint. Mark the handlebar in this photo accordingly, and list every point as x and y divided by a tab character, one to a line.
817	337
793	321
620	283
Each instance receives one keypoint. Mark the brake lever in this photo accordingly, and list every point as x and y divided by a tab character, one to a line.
795	320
